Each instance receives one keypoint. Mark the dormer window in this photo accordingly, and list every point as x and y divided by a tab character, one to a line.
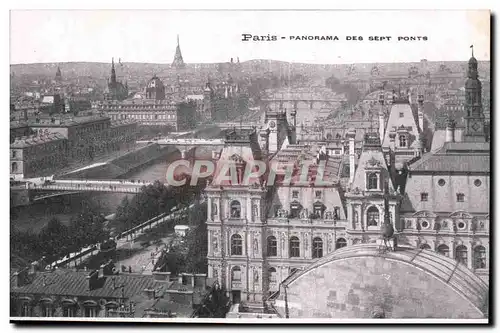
402	140
372	181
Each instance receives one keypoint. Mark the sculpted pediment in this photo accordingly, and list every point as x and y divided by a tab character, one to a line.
424	213
461	214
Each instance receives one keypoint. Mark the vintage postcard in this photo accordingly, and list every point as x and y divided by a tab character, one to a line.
250	166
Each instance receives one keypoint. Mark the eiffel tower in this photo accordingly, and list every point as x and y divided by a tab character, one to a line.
178	62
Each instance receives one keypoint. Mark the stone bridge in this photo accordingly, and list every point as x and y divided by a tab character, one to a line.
187	146
68	186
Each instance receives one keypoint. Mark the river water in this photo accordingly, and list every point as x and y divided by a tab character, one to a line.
36	216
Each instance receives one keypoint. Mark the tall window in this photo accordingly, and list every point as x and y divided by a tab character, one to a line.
294	247
236	245
402	140
317	248
372	181
14	154
235	209
272	246
461	254
336	213
14	167
341	242
90	311
236	274
25	309
479	257
372	216
46	308
272	274
69	311
443	250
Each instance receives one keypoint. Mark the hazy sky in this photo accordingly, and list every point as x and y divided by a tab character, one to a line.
215	36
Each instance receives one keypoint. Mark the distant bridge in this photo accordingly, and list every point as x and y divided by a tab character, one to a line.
69	186
242	125
186	142
189	144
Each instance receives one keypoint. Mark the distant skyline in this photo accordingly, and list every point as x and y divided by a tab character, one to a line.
144	36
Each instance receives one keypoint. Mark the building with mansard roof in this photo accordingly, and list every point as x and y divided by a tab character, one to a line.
286	229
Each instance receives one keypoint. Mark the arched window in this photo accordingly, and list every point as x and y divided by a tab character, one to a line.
443	250
272	246
272	275
479	257
235	209
14	167
341	242
425	247
317	250
236	245
372	216
461	254
236	274
294	247
372	181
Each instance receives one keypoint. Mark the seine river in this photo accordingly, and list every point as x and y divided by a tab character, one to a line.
35	216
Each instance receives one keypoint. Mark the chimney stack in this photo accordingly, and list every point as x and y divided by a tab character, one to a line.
92	279
421	112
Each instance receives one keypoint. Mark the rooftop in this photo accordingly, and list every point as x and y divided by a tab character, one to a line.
456	157
66	120
32	140
75	283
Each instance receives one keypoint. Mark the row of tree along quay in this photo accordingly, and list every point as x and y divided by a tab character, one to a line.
88	227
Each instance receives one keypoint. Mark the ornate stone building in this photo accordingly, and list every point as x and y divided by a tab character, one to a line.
261	233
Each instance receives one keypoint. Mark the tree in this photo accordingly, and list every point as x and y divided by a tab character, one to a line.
216	305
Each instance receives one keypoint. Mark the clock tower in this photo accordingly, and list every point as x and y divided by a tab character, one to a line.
277	126
474	119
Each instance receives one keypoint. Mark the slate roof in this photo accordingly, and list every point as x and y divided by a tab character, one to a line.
448	270
72	283
395	121
456	157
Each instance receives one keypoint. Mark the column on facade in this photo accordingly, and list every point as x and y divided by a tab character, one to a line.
452	249
360	224
350	216
209	247
248	208
470	254
218	213
209	209
392	212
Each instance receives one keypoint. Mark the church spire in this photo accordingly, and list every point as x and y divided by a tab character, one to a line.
113	72
58	74
178	61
